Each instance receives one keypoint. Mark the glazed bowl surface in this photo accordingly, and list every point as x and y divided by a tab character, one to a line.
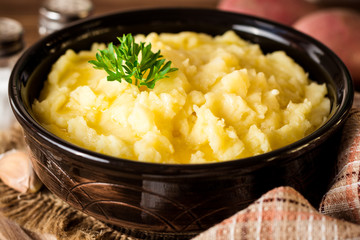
168	199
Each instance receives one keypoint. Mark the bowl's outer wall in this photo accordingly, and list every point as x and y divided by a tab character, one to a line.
176	203
172	198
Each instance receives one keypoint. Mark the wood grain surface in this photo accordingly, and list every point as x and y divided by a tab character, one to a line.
11	231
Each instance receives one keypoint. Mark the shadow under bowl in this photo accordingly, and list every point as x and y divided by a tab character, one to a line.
167	199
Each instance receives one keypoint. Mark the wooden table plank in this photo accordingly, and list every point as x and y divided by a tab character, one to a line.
11	231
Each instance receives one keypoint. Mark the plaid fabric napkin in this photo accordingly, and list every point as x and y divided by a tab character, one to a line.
283	213
343	198
280	214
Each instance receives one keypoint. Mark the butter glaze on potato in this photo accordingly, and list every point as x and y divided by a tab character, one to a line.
227	101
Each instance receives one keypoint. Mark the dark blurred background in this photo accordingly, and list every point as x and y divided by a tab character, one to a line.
27	11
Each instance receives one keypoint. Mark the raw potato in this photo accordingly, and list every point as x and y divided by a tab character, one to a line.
339	29
283	11
16	171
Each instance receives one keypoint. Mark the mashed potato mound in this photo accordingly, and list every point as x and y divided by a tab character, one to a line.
226	101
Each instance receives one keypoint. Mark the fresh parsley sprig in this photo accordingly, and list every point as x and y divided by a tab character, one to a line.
131	61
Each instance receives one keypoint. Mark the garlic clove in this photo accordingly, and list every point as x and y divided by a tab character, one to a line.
16	171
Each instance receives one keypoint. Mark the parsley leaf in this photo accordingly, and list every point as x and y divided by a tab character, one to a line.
135	63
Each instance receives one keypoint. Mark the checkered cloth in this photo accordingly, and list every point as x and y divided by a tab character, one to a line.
283	213
343	198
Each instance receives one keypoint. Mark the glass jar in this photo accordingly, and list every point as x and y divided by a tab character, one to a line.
11	46
55	14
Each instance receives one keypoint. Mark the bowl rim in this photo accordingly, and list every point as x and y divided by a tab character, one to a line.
102	160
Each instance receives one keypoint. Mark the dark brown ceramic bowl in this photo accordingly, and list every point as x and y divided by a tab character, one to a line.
167	199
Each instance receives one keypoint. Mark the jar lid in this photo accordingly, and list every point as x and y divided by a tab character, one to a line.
55	14
11	36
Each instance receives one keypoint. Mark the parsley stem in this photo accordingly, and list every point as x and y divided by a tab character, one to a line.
131	60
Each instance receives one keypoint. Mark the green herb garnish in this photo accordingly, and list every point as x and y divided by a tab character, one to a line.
131	61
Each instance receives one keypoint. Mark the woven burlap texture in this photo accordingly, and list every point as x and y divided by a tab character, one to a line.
282	213
45	213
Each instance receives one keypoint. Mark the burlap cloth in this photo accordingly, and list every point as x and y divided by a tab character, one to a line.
281	213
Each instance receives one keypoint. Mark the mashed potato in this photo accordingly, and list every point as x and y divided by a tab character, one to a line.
226	101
